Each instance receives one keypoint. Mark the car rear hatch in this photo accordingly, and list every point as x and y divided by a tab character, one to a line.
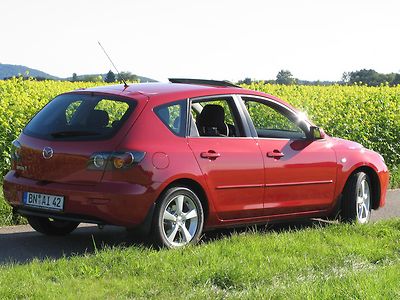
60	142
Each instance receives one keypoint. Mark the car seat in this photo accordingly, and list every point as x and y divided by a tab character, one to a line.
211	121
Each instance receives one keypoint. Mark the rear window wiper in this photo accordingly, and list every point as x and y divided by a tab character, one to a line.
73	133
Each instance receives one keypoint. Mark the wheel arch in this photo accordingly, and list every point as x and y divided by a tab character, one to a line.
376	185
193	185
146	226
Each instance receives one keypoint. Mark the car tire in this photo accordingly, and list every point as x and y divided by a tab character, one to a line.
178	219
357	198
51	226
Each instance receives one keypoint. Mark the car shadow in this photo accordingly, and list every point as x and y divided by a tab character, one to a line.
23	247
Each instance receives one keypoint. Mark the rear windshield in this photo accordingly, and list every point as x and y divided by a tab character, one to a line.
80	117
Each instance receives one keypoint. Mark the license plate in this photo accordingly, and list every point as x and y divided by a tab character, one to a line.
45	201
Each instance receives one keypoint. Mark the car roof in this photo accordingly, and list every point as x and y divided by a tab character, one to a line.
165	92
154	88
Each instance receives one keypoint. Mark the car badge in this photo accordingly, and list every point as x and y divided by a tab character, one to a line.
47	152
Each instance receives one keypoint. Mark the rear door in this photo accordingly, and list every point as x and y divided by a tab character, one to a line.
231	163
59	143
300	173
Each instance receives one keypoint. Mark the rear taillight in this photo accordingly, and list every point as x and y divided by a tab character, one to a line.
15	153
16	150
115	160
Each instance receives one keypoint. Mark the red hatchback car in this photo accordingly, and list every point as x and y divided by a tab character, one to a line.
178	158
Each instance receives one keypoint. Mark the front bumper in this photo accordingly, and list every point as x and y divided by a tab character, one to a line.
116	203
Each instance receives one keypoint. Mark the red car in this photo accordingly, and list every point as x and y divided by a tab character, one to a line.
178	158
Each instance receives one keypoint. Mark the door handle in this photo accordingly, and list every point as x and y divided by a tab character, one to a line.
275	154
211	154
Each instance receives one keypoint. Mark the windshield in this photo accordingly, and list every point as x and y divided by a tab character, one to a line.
80	117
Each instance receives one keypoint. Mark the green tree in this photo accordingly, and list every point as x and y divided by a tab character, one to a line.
92	78
369	77
247	80
346	77
128	76
396	80
74	77
110	77
285	77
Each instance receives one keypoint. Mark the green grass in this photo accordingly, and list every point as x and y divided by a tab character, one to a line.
334	262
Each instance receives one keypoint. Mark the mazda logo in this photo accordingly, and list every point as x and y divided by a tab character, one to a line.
47	152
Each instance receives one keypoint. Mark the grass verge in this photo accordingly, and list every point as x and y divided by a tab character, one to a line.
337	261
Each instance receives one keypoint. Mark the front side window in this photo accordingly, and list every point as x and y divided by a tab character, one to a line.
80	117
274	121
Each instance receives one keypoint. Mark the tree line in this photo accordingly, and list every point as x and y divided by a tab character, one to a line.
364	77
110	77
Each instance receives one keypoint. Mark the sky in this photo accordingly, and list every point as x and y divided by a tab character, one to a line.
210	39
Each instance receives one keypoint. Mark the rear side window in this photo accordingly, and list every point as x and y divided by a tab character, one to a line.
80	117
215	117
173	115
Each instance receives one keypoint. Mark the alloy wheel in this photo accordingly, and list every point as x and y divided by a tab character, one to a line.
363	202
180	219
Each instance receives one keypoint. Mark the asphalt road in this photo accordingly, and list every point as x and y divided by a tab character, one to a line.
21	244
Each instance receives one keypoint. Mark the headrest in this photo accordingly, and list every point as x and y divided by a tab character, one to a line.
212	116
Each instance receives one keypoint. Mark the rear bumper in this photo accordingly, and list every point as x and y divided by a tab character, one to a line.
117	203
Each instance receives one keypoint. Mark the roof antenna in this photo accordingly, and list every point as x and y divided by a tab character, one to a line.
119	74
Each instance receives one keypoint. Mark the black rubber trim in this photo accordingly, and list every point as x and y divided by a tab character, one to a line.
246	119
145	227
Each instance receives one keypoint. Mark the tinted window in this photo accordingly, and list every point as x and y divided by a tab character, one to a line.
173	115
273	121
80	117
71	109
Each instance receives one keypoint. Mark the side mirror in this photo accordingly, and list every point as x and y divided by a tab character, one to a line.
317	133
